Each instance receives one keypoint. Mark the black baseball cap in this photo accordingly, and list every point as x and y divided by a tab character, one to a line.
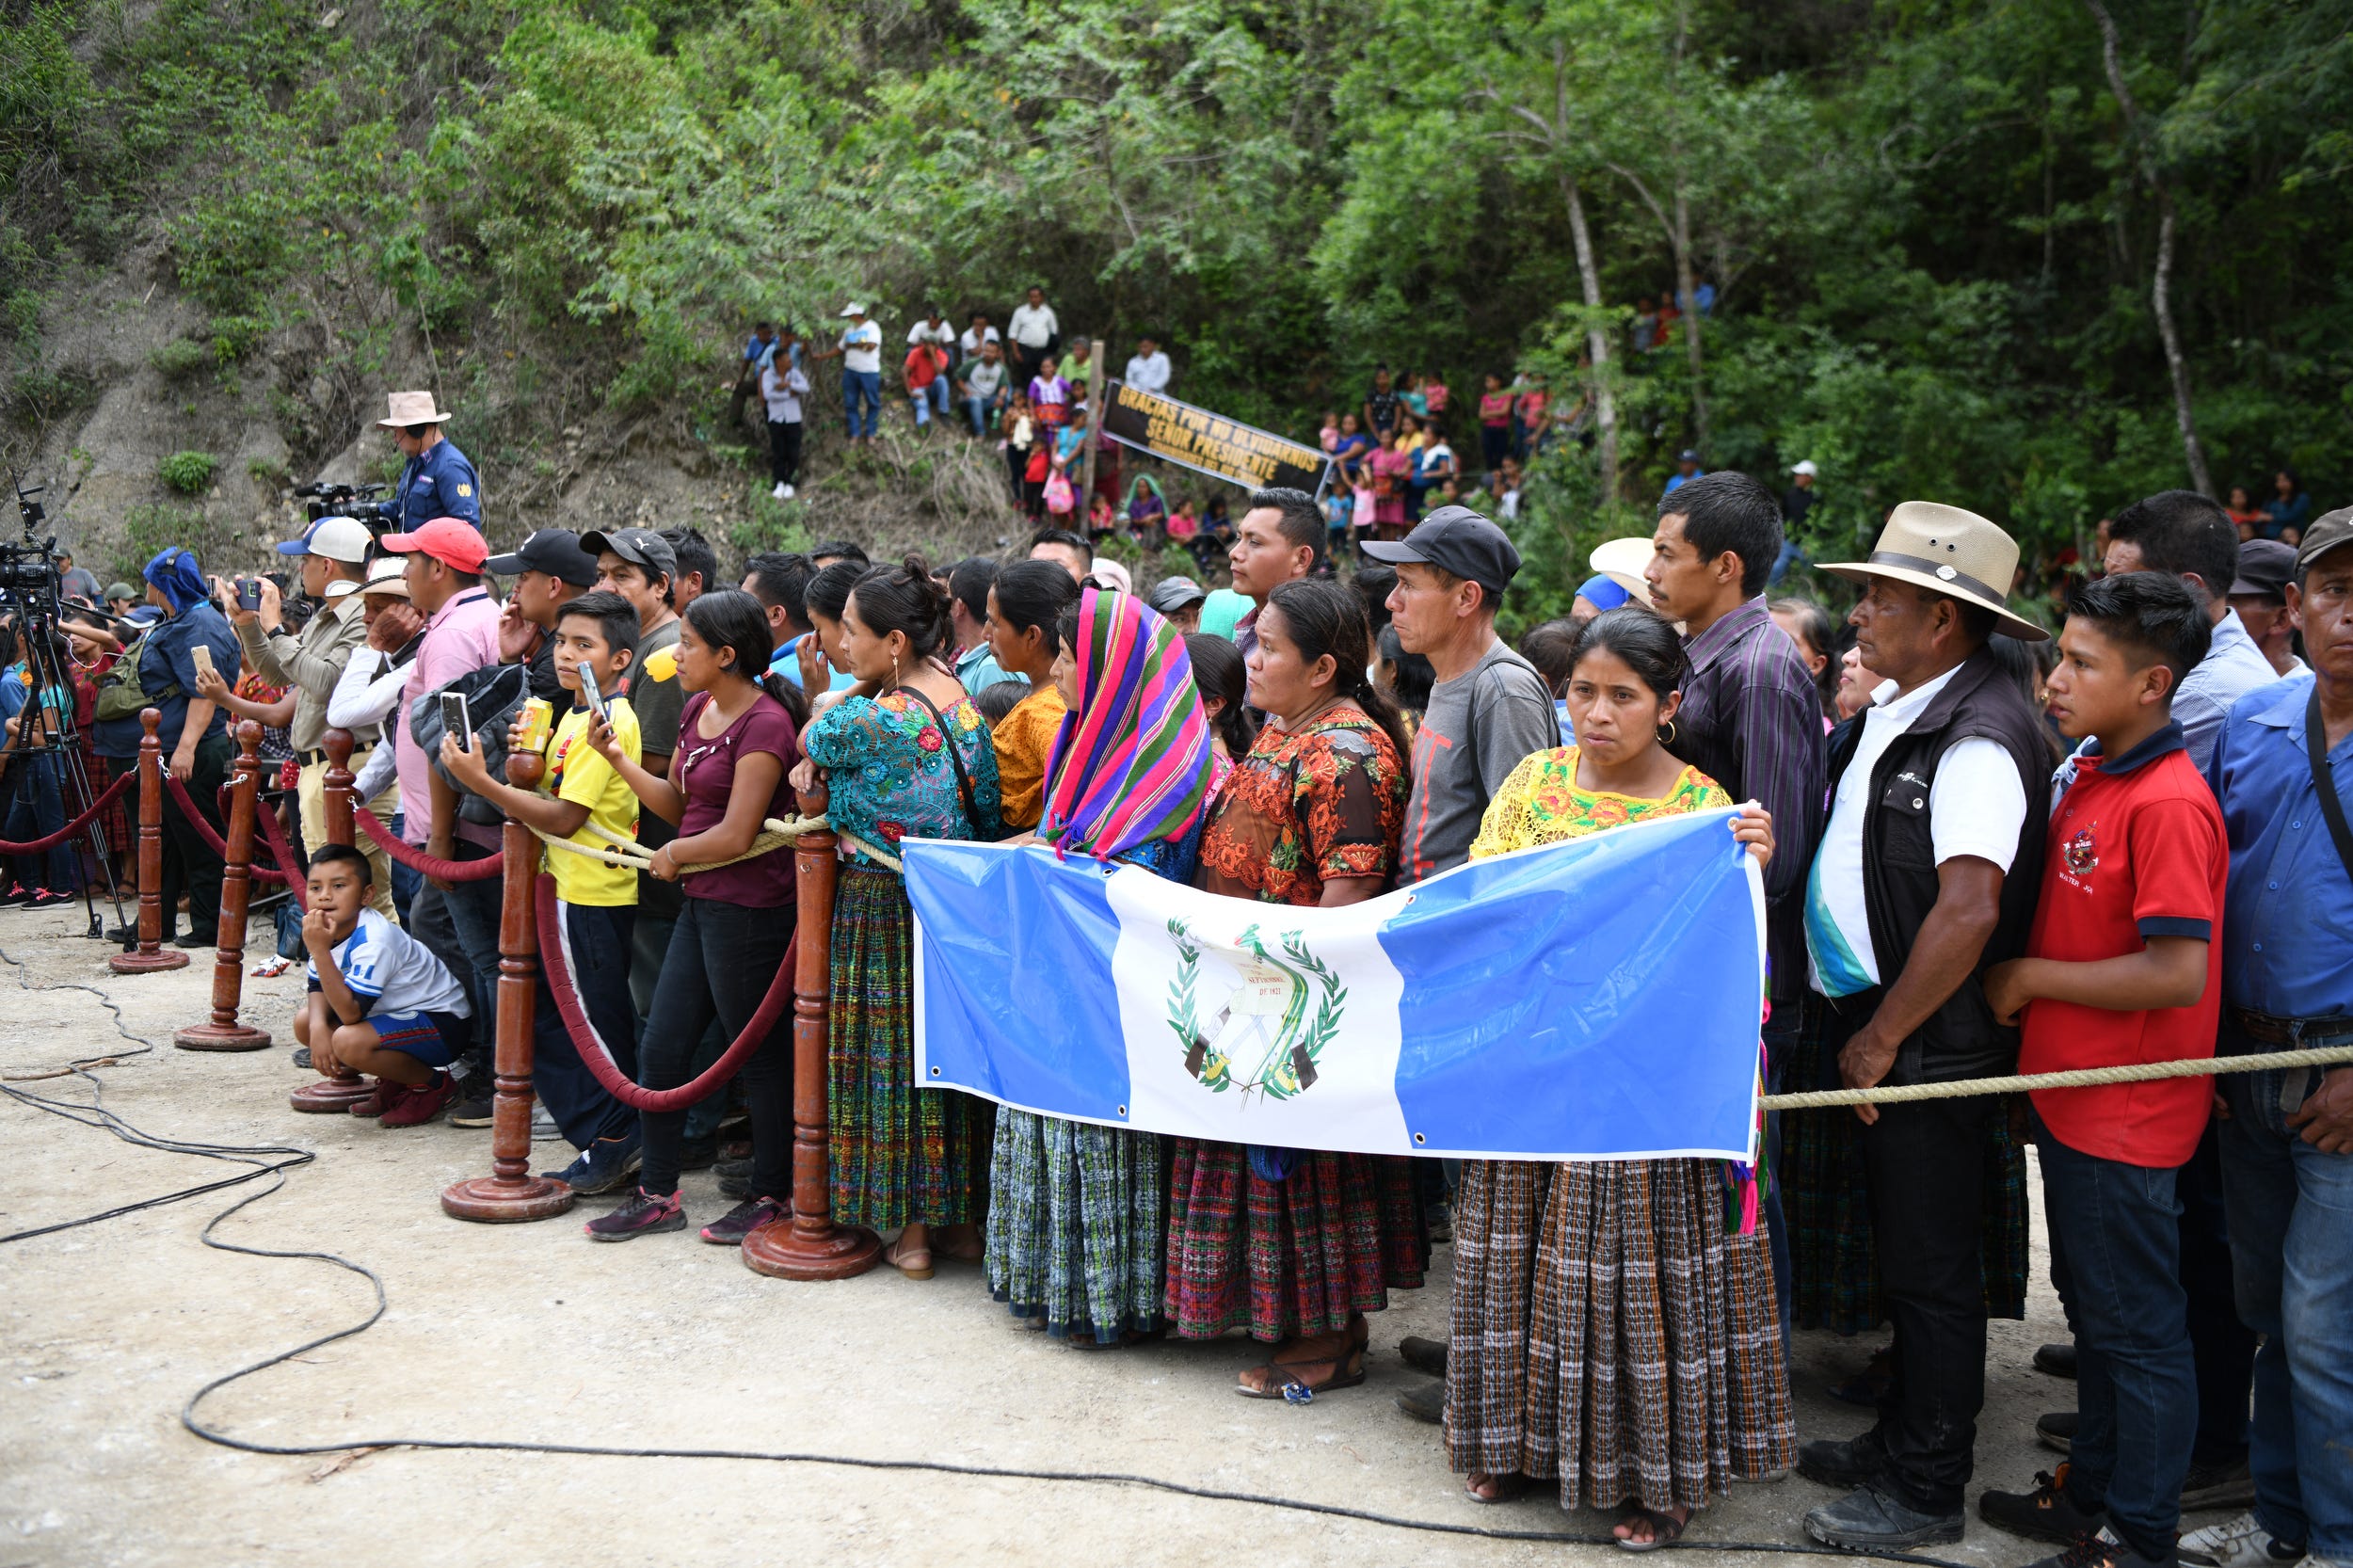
556	552
2265	567
639	547
1458	540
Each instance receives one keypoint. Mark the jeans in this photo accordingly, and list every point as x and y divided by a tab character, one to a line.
2223	1347
596	955
473	909
407	884
931	399
861	399
2291	1220
979	411
784	451
190	866
36	810
2115	1261
1788	556
721	963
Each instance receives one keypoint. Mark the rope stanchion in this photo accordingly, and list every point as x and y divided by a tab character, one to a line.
380	831
223	1032
2078	1077
106	798
600	1062
510	1192
151	955
337	1095
809	1245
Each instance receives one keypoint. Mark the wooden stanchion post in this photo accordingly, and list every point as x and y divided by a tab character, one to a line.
511	1192
223	1032
809	1245
335	1096
150	954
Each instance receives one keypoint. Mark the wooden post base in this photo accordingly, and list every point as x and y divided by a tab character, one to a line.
493	1200
148	963
216	1037
331	1097
836	1252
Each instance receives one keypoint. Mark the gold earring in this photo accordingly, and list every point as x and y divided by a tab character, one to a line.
894	669
1669	738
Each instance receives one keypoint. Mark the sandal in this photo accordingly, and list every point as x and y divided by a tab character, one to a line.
1348	1370
1507	1488
905	1262
1665	1529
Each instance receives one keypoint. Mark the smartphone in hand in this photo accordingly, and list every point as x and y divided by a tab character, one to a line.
203	657
250	593
594	699
456	721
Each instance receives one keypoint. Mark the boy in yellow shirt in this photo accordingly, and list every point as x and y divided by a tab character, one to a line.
595	639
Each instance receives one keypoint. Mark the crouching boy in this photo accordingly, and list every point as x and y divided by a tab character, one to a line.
2121	967
378	1002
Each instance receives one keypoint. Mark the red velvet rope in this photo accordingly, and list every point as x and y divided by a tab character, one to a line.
418	860
204	829
50	841
275	834
592	1050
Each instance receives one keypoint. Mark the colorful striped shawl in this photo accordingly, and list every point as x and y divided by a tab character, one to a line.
1132	761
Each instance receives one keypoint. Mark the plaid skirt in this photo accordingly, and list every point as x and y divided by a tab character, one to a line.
1075	1212
1648	1343
900	1154
1299	1256
1833	1267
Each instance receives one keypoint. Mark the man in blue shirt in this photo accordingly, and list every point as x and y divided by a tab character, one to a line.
2287	1135
1687	469
758	349
438	482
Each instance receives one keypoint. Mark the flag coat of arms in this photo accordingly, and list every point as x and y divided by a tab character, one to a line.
1593	1000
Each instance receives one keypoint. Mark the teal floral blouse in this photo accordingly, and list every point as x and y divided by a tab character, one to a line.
887	765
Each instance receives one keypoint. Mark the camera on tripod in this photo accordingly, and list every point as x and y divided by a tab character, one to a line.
29	569
324	500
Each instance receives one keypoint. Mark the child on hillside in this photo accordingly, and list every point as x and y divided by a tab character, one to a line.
378	1002
596	641
2121	966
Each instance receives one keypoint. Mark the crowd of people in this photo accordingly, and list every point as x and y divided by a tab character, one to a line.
1975	861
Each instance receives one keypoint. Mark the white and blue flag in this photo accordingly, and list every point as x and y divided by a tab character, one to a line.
1593	1000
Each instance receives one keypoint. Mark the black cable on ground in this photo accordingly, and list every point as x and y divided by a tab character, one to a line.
94	1115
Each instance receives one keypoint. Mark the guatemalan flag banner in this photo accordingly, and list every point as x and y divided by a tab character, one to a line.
1593	1000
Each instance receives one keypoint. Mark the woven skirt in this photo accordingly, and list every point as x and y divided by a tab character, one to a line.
901	1154
1653	1360
1299	1256
1075	1218
1497	1206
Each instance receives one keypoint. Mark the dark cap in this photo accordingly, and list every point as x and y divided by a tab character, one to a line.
1688	454
1172	594
556	552
1458	540
2265	567
639	547
2329	531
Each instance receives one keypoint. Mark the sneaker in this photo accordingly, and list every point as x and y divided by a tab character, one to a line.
2240	1543
473	1107
2224	1484
381	1097
2101	1550
2045	1513
1868	1520
302	1057
1423	1355
781	490
788	493
1426	1402
604	1166
17	893
742	1220
417	1107
2057	1430
2058	1360
46	898
1842	1462
642	1215
543	1128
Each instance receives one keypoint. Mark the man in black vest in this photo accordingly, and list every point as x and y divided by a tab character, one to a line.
1926	877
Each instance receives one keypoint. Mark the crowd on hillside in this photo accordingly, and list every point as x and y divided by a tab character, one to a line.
1974	860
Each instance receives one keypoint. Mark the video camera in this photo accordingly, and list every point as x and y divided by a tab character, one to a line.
325	500
29	570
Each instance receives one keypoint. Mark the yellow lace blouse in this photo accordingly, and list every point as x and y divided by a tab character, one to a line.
1025	743
1541	804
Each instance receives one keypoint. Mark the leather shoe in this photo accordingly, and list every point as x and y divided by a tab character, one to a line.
2056	1360
1423	1355
1426	1402
1841	1461
1868	1520
2057	1430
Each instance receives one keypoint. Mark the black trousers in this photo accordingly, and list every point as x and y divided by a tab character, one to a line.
784	450
190	866
1925	1166
596	954
721	960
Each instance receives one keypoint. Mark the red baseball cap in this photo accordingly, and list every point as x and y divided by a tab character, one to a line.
454	542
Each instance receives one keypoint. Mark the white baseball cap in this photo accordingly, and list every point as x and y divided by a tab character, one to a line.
345	540
1806	469
853	309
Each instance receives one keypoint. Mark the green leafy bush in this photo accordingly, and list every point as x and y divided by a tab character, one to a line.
181	358
189	472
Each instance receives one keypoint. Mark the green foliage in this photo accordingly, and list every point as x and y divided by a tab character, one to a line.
149	530
189	472
269	473
180	357
773	525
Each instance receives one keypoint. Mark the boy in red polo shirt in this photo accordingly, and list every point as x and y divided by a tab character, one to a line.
2121	966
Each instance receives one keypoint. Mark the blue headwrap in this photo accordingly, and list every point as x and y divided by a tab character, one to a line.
1602	593
174	574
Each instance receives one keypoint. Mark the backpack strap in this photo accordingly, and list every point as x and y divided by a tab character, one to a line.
955	760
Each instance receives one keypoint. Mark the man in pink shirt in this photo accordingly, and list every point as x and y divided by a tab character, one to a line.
458	920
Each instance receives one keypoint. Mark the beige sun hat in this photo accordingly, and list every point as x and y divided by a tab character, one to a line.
413	407
1622	561
387	575
1954	552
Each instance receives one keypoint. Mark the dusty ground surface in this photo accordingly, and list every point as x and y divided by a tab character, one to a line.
529	1332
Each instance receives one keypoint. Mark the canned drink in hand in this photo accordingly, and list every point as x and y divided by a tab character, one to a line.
534	725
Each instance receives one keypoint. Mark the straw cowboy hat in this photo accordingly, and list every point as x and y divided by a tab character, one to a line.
1950	551
413	407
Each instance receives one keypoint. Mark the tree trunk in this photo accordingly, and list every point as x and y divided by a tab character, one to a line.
1597	340
1686	286
2159	295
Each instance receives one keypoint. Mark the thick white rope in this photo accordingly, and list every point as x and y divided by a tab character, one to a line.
2080	1077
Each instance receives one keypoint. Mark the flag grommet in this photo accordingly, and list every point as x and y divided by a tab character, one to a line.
1123	1110
935	1072
1420	1138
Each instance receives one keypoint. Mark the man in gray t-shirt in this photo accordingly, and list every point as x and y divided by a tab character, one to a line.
1489	709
